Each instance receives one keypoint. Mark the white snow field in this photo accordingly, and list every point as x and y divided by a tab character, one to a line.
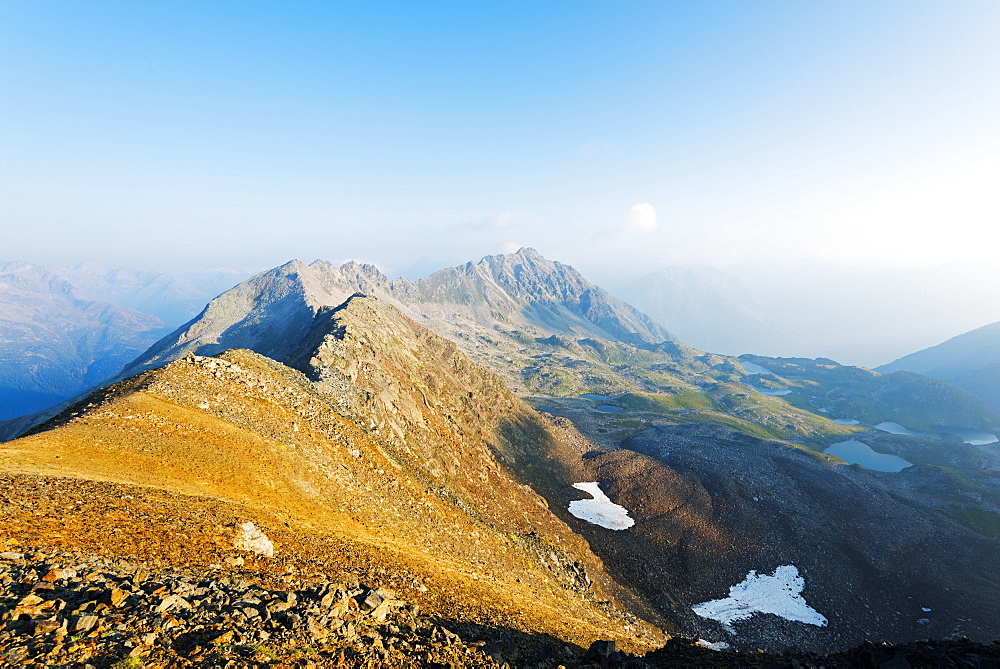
780	594
600	510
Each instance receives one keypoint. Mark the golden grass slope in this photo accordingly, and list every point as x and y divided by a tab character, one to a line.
398	453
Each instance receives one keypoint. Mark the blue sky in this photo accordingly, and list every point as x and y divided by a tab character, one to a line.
615	136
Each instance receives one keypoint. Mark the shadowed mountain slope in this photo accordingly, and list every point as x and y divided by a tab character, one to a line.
881	555
970	360
898	395
387	441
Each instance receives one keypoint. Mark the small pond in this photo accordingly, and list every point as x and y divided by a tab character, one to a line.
973	437
756	369
607	408
592	396
855	452
896	428
847	421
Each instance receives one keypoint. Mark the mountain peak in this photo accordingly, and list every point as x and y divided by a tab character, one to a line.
270	313
293	265
528	252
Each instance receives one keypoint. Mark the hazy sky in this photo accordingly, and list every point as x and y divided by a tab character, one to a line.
617	136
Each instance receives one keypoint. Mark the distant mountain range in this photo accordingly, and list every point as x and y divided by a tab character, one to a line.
172	299
56	342
707	308
970	361
855	315
65	330
538	323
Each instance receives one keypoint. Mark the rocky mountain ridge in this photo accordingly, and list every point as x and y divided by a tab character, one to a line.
519	293
399	446
537	323
381	437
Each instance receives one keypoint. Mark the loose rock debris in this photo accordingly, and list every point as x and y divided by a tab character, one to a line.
60	609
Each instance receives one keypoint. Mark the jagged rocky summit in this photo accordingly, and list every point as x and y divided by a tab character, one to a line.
521	293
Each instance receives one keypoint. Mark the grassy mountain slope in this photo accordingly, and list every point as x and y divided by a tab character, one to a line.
400	448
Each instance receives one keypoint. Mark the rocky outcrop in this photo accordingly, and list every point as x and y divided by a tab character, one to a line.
526	292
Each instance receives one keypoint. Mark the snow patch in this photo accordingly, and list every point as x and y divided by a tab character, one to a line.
780	594
600	510
718	645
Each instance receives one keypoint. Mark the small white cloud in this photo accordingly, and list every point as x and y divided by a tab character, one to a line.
503	220
510	247
641	217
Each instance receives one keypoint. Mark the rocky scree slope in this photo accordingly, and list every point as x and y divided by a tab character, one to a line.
881	556
710	505
400	446
67	609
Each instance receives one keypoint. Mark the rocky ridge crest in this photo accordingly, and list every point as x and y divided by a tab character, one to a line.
399	445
